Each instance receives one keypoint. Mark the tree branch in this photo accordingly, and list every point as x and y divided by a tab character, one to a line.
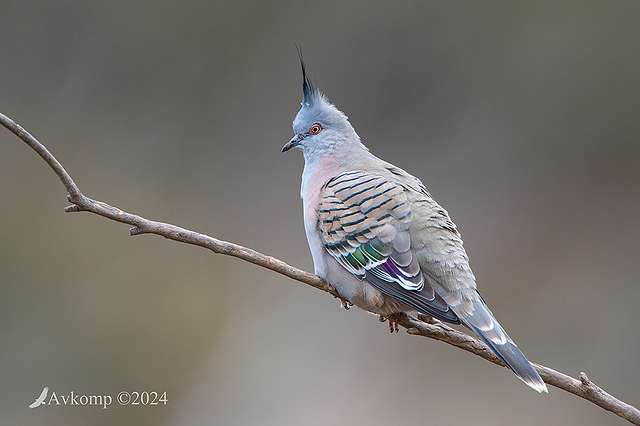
424	326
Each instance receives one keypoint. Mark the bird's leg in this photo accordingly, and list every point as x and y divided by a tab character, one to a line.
345	303
393	326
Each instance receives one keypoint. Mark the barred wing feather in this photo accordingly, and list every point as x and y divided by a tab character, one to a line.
364	220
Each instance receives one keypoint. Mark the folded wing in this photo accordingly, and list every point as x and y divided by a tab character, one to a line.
364	221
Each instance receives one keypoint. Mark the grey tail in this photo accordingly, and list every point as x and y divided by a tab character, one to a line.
515	360
484	324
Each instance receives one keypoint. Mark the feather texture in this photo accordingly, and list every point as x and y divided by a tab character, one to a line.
364	224
380	239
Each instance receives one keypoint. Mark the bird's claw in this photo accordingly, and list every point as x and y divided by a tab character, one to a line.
346	304
393	326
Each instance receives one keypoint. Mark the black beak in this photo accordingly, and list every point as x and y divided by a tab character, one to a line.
295	141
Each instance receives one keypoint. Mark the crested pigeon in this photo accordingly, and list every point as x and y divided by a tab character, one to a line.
380	239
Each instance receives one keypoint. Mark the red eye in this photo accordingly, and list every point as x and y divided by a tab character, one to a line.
315	129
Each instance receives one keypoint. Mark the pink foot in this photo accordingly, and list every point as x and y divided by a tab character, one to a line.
345	303
393	326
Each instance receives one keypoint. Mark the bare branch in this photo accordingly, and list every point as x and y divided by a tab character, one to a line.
426	327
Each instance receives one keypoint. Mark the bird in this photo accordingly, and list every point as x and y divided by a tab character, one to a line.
380	239
40	400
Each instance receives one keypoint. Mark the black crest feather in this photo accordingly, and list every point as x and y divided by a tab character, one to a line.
308	89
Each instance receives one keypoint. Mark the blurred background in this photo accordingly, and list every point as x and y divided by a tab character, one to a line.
523	120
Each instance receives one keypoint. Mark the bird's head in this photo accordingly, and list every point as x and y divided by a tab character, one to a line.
320	128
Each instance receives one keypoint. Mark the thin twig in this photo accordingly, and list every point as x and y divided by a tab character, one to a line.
582	387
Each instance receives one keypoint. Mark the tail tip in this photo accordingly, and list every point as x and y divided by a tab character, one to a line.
536	384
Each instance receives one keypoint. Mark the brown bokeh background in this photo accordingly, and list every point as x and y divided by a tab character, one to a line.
522	119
